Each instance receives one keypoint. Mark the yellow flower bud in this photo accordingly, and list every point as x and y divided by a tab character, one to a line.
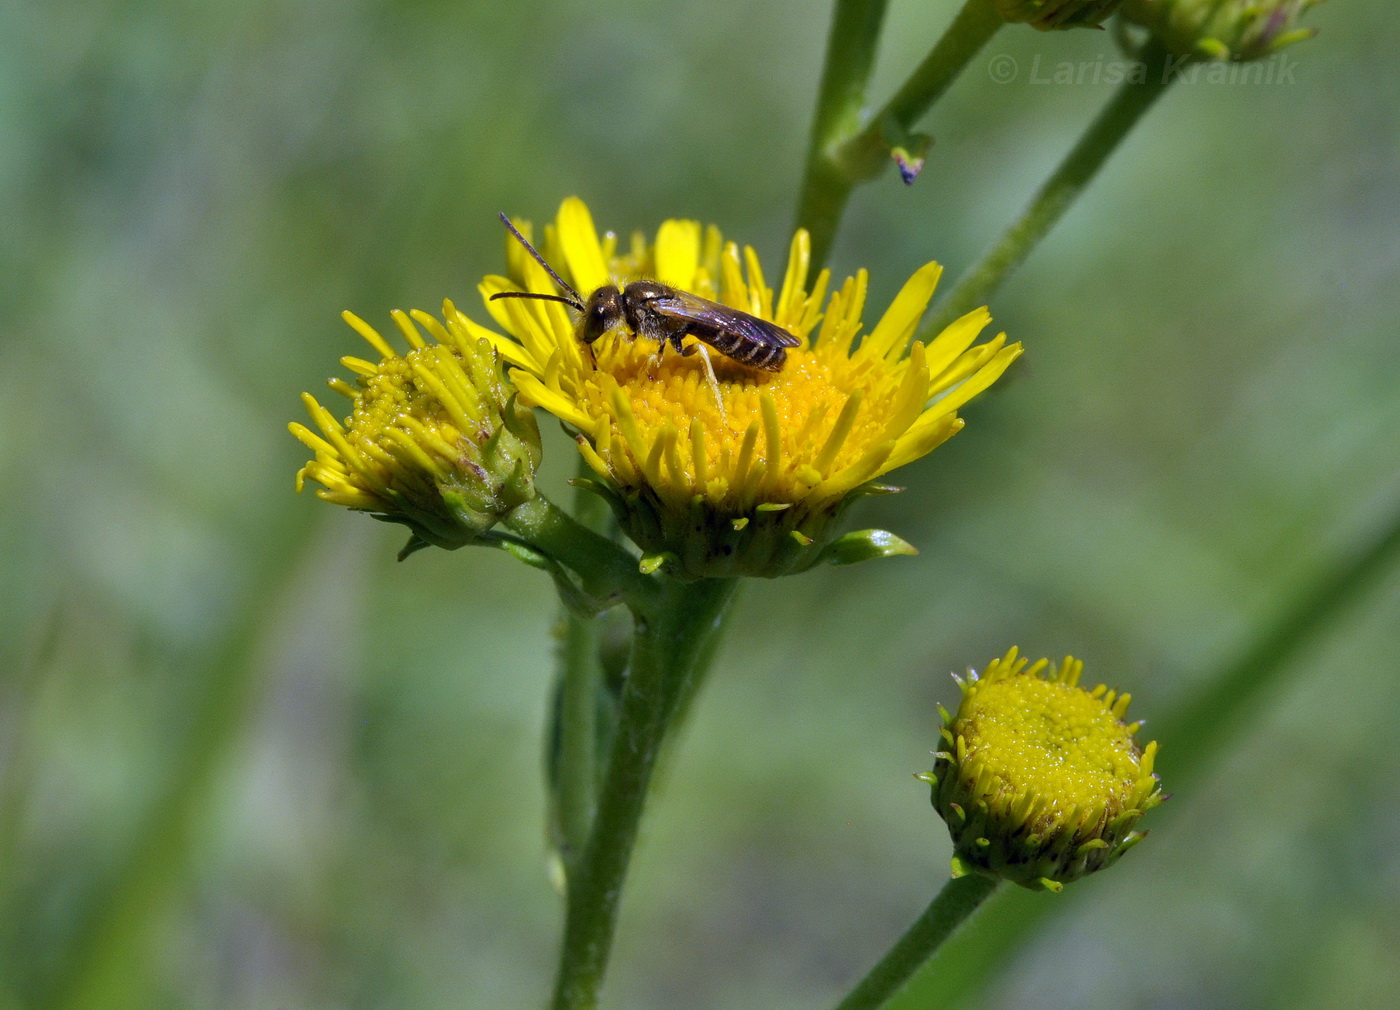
435	439
1040	780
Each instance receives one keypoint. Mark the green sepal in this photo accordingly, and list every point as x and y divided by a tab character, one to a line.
864	545
575	600
652	562
873	489
594	487
414	545
423	534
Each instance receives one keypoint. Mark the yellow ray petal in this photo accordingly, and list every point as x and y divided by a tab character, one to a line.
925	435
956	338
891	335
582	250
678	253
793	297
986	375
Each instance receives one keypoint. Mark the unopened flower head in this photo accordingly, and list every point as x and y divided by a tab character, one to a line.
1040	780
1050	15
714	467
1222	29
435	438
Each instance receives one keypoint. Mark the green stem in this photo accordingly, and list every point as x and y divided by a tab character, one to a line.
580	677
843	151
575	780
666	661
850	58
1193	739
1131	102
972	28
959	898
607	571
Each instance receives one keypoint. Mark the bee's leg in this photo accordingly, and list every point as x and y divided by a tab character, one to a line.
713	382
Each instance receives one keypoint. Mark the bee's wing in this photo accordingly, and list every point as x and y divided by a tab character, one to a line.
693	308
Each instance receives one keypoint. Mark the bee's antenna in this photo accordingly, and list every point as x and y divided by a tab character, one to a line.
576	302
573	303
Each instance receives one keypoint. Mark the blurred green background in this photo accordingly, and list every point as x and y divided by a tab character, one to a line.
1208	409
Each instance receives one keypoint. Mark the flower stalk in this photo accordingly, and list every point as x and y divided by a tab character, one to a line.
608	573
670	654
954	903
574	769
850	59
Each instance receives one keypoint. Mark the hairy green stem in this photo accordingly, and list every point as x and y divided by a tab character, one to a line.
1193	738
667	658
959	898
575	782
844	151
1055	196
606	570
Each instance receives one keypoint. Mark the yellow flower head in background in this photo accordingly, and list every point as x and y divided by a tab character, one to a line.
1240	30
742	475
434	440
1040	780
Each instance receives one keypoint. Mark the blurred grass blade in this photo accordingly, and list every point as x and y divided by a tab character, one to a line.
104	967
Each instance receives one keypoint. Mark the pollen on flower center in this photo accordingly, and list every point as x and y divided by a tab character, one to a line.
801	406
1051	739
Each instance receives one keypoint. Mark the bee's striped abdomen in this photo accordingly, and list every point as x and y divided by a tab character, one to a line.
745	350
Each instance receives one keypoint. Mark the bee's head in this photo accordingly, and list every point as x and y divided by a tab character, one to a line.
602	313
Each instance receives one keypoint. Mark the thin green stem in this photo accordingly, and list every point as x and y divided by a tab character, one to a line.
1056	195
575	781
667	653
1193	739
959	898
850	58
844	151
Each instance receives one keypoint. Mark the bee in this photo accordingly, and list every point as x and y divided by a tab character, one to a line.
665	314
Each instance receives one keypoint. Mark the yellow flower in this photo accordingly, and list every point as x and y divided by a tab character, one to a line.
743	474
1040	780
1048	15
434	440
